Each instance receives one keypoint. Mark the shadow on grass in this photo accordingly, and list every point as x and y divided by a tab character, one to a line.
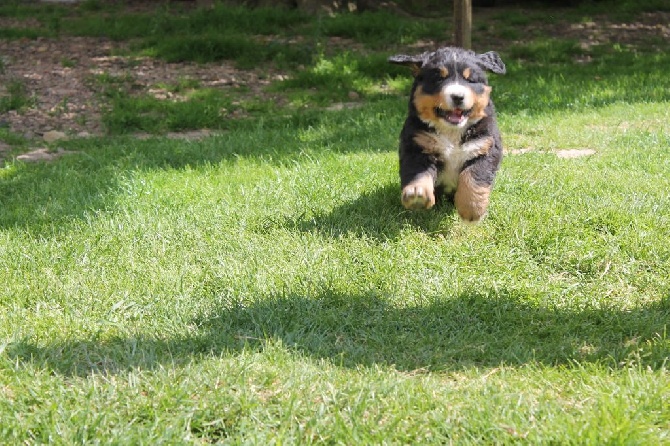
377	214
478	329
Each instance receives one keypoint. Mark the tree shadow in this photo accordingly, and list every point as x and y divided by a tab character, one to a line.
478	329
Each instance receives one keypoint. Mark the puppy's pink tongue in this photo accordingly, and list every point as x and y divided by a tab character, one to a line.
455	116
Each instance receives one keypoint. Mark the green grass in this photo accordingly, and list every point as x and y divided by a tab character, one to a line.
265	286
201	109
333	78
14	97
381	29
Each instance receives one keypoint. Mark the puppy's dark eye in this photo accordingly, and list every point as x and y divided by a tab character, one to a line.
436	76
474	79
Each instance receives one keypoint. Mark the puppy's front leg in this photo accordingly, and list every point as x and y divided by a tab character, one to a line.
420	192
418	172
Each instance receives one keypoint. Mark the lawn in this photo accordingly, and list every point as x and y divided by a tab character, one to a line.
264	285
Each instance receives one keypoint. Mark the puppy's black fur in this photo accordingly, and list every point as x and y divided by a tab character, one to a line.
450	142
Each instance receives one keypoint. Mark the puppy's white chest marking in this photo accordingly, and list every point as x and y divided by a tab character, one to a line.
448	148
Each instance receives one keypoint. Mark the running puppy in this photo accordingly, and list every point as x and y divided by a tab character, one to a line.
450	142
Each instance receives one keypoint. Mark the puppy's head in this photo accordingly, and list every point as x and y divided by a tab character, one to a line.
450	87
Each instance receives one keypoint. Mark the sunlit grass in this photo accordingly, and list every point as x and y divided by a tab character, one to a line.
265	286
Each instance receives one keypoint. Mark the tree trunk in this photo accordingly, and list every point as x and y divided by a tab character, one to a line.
463	23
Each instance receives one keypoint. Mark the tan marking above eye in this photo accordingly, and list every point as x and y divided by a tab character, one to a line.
444	72
466	73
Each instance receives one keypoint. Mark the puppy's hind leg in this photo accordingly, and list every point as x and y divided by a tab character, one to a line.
472	197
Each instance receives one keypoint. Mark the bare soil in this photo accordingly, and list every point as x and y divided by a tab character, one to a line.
58	73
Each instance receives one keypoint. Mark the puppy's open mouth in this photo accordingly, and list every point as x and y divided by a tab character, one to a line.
455	116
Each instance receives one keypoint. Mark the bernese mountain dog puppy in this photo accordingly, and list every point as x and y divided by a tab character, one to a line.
450	143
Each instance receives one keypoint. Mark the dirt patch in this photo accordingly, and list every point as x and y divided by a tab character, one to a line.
650	29
55	74
59	77
191	135
560	153
4	148
646	28
43	154
575	153
59	74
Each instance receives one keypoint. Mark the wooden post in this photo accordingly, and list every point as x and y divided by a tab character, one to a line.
463	23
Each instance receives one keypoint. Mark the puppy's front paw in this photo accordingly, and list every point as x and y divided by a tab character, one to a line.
418	195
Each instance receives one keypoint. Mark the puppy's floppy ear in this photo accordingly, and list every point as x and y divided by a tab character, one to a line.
414	62
491	61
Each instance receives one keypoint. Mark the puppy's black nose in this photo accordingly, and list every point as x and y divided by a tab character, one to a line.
457	98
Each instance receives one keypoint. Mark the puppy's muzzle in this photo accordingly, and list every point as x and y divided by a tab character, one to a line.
458	101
